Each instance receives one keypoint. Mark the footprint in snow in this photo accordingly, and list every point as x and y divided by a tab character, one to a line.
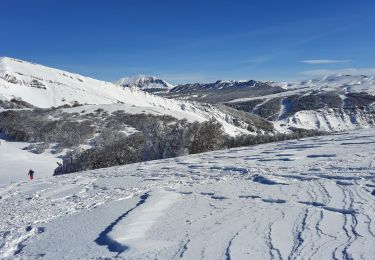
344	183
266	181
277	201
38	230
284	154
193	166
278	159
314	203
216	197
248	197
185	192
207	193
348	211
321	155
342	211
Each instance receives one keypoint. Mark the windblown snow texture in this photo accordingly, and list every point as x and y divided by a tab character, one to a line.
105	240
319	204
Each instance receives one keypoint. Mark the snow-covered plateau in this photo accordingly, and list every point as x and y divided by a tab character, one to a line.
301	199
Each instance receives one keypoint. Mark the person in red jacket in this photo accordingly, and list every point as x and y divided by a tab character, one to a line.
31	174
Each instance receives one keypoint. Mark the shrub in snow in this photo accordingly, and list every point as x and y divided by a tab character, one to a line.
354	100
246	140
270	109
37	148
107	135
247	106
209	136
14	103
314	102
121	151
38	126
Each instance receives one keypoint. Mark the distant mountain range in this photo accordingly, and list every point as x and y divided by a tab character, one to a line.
331	103
222	91
229	90
334	102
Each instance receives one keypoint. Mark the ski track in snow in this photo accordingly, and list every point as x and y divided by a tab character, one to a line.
300	199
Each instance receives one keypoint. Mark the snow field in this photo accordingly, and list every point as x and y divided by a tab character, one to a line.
310	199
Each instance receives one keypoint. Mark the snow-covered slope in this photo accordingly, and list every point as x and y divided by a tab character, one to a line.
329	120
46	87
301	199
146	83
15	162
336	82
333	103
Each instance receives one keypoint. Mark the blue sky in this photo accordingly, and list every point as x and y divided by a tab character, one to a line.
192	41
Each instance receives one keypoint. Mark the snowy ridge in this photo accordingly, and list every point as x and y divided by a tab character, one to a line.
336	82
146	83
218	85
300	199
47	87
340	83
332	103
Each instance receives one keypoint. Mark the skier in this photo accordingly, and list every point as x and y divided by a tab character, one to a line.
31	174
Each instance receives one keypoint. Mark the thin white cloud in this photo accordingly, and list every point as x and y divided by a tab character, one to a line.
346	71
323	61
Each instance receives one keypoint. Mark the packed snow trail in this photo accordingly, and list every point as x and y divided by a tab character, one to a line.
300	199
